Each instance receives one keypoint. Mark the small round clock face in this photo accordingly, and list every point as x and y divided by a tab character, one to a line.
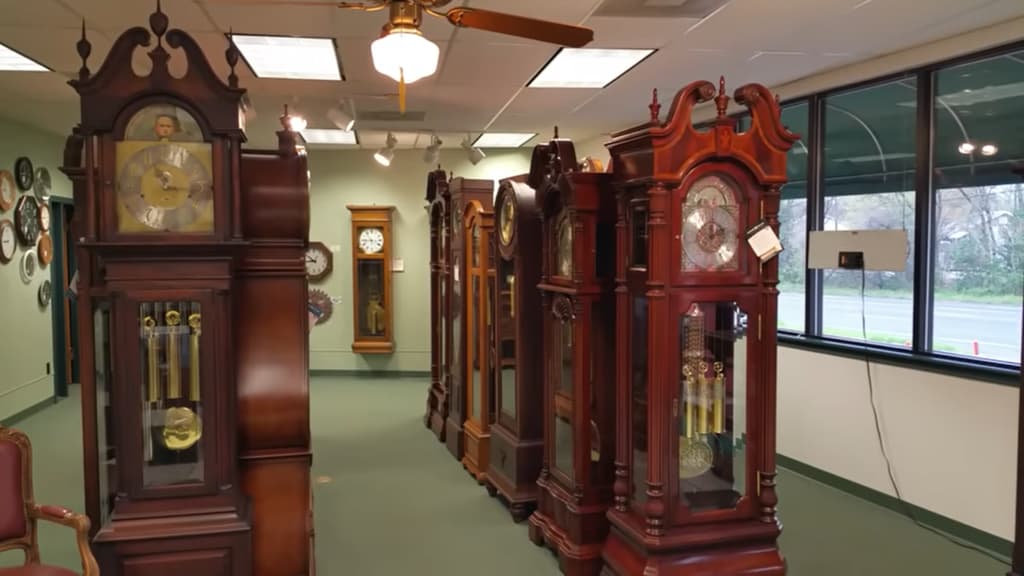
44	293
165	187
8	190
41	183
26	218
371	240
23	172
44	217
8	241
507	220
711	235
28	266
316	261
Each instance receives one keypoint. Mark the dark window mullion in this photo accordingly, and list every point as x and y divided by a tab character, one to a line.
924	215
813	297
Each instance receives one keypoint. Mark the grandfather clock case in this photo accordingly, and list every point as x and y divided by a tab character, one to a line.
694	488
577	291
517	433
182	234
463	192
438	206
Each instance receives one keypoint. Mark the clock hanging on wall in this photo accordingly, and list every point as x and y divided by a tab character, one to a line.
24	173
26	220
371	280
8	241
319	261
8	190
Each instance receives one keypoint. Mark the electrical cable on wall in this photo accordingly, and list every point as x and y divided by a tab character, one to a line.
908	511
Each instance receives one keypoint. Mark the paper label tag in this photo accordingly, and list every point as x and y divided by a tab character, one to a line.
763	241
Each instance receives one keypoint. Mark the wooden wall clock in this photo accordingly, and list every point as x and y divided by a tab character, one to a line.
181	241
694	488
578	319
517	434
478	264
438	206
372	309
463	192
319	261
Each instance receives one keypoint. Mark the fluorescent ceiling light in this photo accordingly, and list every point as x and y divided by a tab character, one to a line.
587	67
322	136
291	57
503	139
11	60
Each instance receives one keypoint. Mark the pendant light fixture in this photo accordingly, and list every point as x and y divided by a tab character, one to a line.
402	52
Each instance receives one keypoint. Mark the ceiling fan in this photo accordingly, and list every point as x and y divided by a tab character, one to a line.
404	54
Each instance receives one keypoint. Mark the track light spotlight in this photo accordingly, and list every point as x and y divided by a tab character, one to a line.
433	151
385	155
340	118
475	154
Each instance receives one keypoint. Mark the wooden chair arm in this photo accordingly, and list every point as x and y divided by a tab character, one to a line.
79	522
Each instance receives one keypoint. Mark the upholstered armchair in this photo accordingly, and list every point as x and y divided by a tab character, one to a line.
19	512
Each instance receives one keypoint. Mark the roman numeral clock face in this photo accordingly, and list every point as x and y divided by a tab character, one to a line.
165	187
371	240
710	238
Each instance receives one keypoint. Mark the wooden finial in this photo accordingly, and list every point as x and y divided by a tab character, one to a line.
231	55
158	23
286	119
556	132
654	106
84	49
721	101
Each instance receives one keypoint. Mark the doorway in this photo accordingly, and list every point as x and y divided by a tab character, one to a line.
63	314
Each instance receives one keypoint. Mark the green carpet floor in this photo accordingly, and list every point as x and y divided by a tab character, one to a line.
391	501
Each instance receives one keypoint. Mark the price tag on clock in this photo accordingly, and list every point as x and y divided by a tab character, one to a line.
763	241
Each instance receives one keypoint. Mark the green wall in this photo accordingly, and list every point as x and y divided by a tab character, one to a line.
340	178
26	344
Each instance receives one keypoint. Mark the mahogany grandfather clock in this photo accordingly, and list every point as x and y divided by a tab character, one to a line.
517	434
694	488
463	192
182	236
438	200
577	289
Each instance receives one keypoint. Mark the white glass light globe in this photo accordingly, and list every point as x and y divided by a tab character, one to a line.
405	53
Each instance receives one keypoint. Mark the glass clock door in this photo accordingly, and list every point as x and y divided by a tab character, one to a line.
506	374
562	373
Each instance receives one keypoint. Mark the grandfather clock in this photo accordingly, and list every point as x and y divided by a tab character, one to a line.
516	445
696	308
463	192
182	234
478	265
577	289
438	200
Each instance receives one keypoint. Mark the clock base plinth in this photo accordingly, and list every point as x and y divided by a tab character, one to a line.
744	549
437	414
513	468
199	545
373	347
477	451
575	532
454	437
574	559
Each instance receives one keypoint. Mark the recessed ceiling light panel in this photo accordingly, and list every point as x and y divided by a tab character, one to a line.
292	57
588	67
322	136
503	139
14	61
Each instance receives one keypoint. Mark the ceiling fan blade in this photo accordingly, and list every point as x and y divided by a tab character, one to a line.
369	5
543	30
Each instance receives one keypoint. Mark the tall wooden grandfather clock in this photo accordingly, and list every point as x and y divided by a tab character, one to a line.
694	485
182	235
578	312
463	192
438	200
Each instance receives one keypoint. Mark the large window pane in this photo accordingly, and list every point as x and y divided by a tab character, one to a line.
793	223
979	208
868	170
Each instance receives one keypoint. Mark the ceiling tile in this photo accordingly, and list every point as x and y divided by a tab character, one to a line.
493	63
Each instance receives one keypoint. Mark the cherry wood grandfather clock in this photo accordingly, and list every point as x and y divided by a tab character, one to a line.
182	236
478	264
438	206
517	435
694	488
463	192
577	288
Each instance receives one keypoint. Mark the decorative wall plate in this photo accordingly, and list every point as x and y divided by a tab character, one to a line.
8	190
321	302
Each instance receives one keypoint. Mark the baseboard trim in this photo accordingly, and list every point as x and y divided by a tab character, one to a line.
373	373
13	419
954	528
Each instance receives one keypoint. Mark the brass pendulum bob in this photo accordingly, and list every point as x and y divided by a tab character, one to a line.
181	425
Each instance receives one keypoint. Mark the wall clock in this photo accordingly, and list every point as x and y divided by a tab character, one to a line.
8	190
28	265
41	184
23	172
26	220
371	279
321	301
45	250
44	217
8	241
45	291
319	261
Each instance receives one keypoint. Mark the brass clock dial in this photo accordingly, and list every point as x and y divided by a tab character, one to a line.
507	221
711	235
165	187
371	240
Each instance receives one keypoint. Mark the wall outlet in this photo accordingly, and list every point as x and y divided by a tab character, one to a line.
851	260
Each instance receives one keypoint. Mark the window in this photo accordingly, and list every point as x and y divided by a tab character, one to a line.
793	223
868	161
978	280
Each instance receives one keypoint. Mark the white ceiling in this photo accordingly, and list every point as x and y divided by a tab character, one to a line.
480	83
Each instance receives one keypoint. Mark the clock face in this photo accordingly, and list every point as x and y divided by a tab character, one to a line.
28	266
711	235
8	191
507	220
564	252
44	217
26	218
8	241
44	249
41	183
318	261
23	172
371	240
165	187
